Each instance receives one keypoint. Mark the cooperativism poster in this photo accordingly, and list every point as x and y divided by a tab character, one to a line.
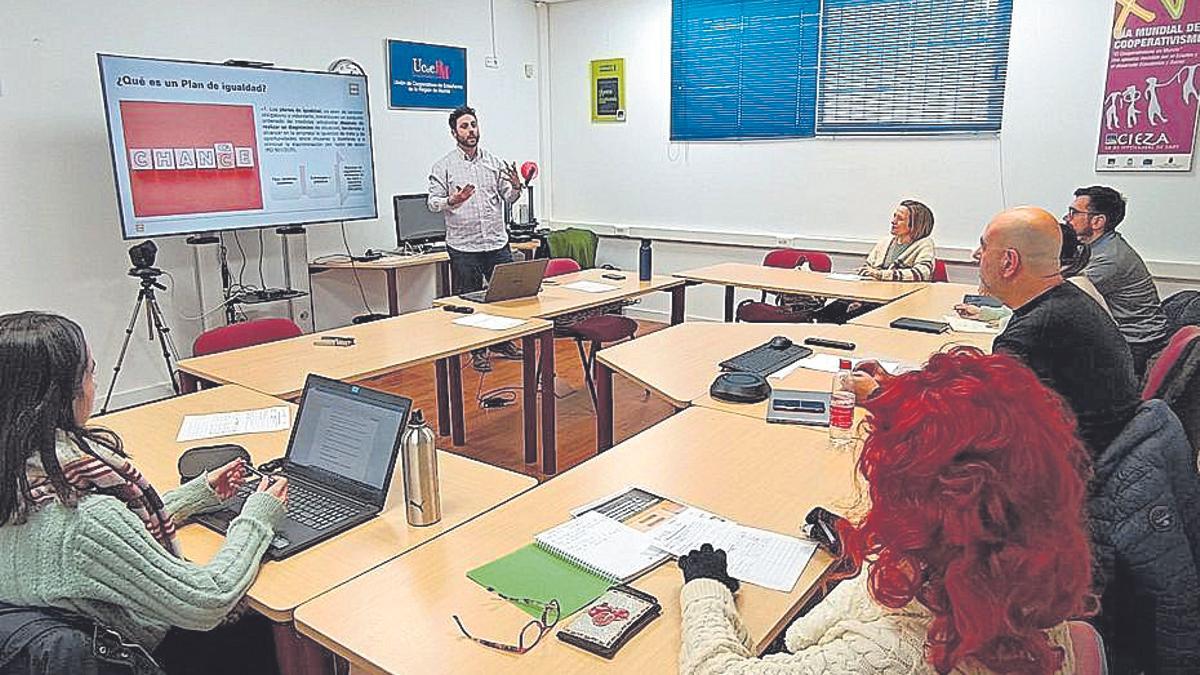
1148	115
1152	94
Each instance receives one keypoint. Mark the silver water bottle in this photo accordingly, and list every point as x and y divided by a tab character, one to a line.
418	456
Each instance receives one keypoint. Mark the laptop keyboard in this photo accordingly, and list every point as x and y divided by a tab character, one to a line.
309	507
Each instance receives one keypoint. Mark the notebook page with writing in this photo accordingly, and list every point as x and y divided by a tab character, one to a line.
602	545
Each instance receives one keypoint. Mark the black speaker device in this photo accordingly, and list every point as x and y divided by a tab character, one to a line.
740	388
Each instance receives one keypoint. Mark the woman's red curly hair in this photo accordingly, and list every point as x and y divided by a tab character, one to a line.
977	486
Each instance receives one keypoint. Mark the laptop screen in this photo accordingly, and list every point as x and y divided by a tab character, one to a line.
349	431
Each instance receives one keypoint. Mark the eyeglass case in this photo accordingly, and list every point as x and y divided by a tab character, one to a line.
604	626
195	461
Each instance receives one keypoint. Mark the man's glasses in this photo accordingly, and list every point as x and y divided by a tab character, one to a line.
1072	212
531	634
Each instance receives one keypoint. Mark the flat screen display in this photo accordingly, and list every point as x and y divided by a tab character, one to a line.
204	147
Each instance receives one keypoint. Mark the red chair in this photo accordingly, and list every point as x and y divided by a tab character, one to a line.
761	311
1089	649
594	329
558	266
1173	378
939	272
245	334
235	336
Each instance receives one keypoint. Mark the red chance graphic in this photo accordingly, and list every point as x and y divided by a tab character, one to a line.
168	192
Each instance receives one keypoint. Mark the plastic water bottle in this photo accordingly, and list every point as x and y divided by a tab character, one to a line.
841	407
644	260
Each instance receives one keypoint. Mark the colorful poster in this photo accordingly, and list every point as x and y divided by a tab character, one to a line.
425	76
608	90
1148	115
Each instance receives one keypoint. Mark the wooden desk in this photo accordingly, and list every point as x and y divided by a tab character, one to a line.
468	489
555	300
280	368
389	265
932	302
396	618
680	362
778	280
907	347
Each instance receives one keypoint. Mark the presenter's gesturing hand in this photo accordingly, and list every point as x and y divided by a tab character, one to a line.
461	195
510	173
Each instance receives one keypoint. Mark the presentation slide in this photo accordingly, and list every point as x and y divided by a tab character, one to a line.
200	147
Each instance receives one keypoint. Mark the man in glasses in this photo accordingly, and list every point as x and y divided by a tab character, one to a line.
1119	272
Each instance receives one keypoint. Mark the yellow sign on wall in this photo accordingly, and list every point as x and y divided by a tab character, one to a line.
608	90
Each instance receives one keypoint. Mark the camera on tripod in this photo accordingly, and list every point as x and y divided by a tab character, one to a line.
142	257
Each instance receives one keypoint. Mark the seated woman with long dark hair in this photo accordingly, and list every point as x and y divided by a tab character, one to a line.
973	554
82	530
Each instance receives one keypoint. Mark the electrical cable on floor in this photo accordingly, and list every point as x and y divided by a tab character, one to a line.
501	397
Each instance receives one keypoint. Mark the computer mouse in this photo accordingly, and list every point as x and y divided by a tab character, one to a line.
780	342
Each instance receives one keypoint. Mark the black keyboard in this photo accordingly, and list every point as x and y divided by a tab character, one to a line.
765	359
309	507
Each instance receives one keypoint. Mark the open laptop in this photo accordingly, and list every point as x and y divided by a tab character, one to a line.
339	464
511	281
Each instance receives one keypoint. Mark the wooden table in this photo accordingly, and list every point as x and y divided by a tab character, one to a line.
779	280
468	489
389	265
396	618
280	368
680	362
933	302
555	300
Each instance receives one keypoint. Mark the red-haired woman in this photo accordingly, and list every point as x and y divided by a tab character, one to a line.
973	554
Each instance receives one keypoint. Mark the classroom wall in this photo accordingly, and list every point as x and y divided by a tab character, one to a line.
62	249
838	193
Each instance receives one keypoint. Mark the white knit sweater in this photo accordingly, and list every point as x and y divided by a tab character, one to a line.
847	632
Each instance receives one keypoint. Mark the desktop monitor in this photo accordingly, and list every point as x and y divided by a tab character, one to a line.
415	223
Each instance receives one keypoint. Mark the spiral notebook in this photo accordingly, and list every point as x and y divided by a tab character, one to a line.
574	563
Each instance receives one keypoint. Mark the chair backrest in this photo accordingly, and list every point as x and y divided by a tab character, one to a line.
244	334
939	272
1089	649
558	266
1175	378
575	243
1181	344
790	258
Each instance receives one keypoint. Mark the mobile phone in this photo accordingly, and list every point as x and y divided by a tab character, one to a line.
921	325
799	405
981	300
614	277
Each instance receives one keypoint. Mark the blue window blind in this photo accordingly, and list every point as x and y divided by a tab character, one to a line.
917	66
743	68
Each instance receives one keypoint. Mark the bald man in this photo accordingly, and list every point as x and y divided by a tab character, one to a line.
1056	329
1061	333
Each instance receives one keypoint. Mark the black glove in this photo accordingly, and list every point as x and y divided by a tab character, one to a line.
708	564
821	526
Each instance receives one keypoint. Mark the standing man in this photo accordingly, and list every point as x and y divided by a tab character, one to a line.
470	187
1119	273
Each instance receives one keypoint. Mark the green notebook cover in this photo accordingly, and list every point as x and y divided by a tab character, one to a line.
532	572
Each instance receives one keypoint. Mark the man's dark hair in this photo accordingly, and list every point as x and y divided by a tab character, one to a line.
1104	201
459	112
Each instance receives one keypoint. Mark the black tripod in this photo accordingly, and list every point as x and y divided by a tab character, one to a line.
157	324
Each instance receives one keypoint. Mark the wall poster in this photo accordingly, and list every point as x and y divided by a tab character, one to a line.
1148	115
608	90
